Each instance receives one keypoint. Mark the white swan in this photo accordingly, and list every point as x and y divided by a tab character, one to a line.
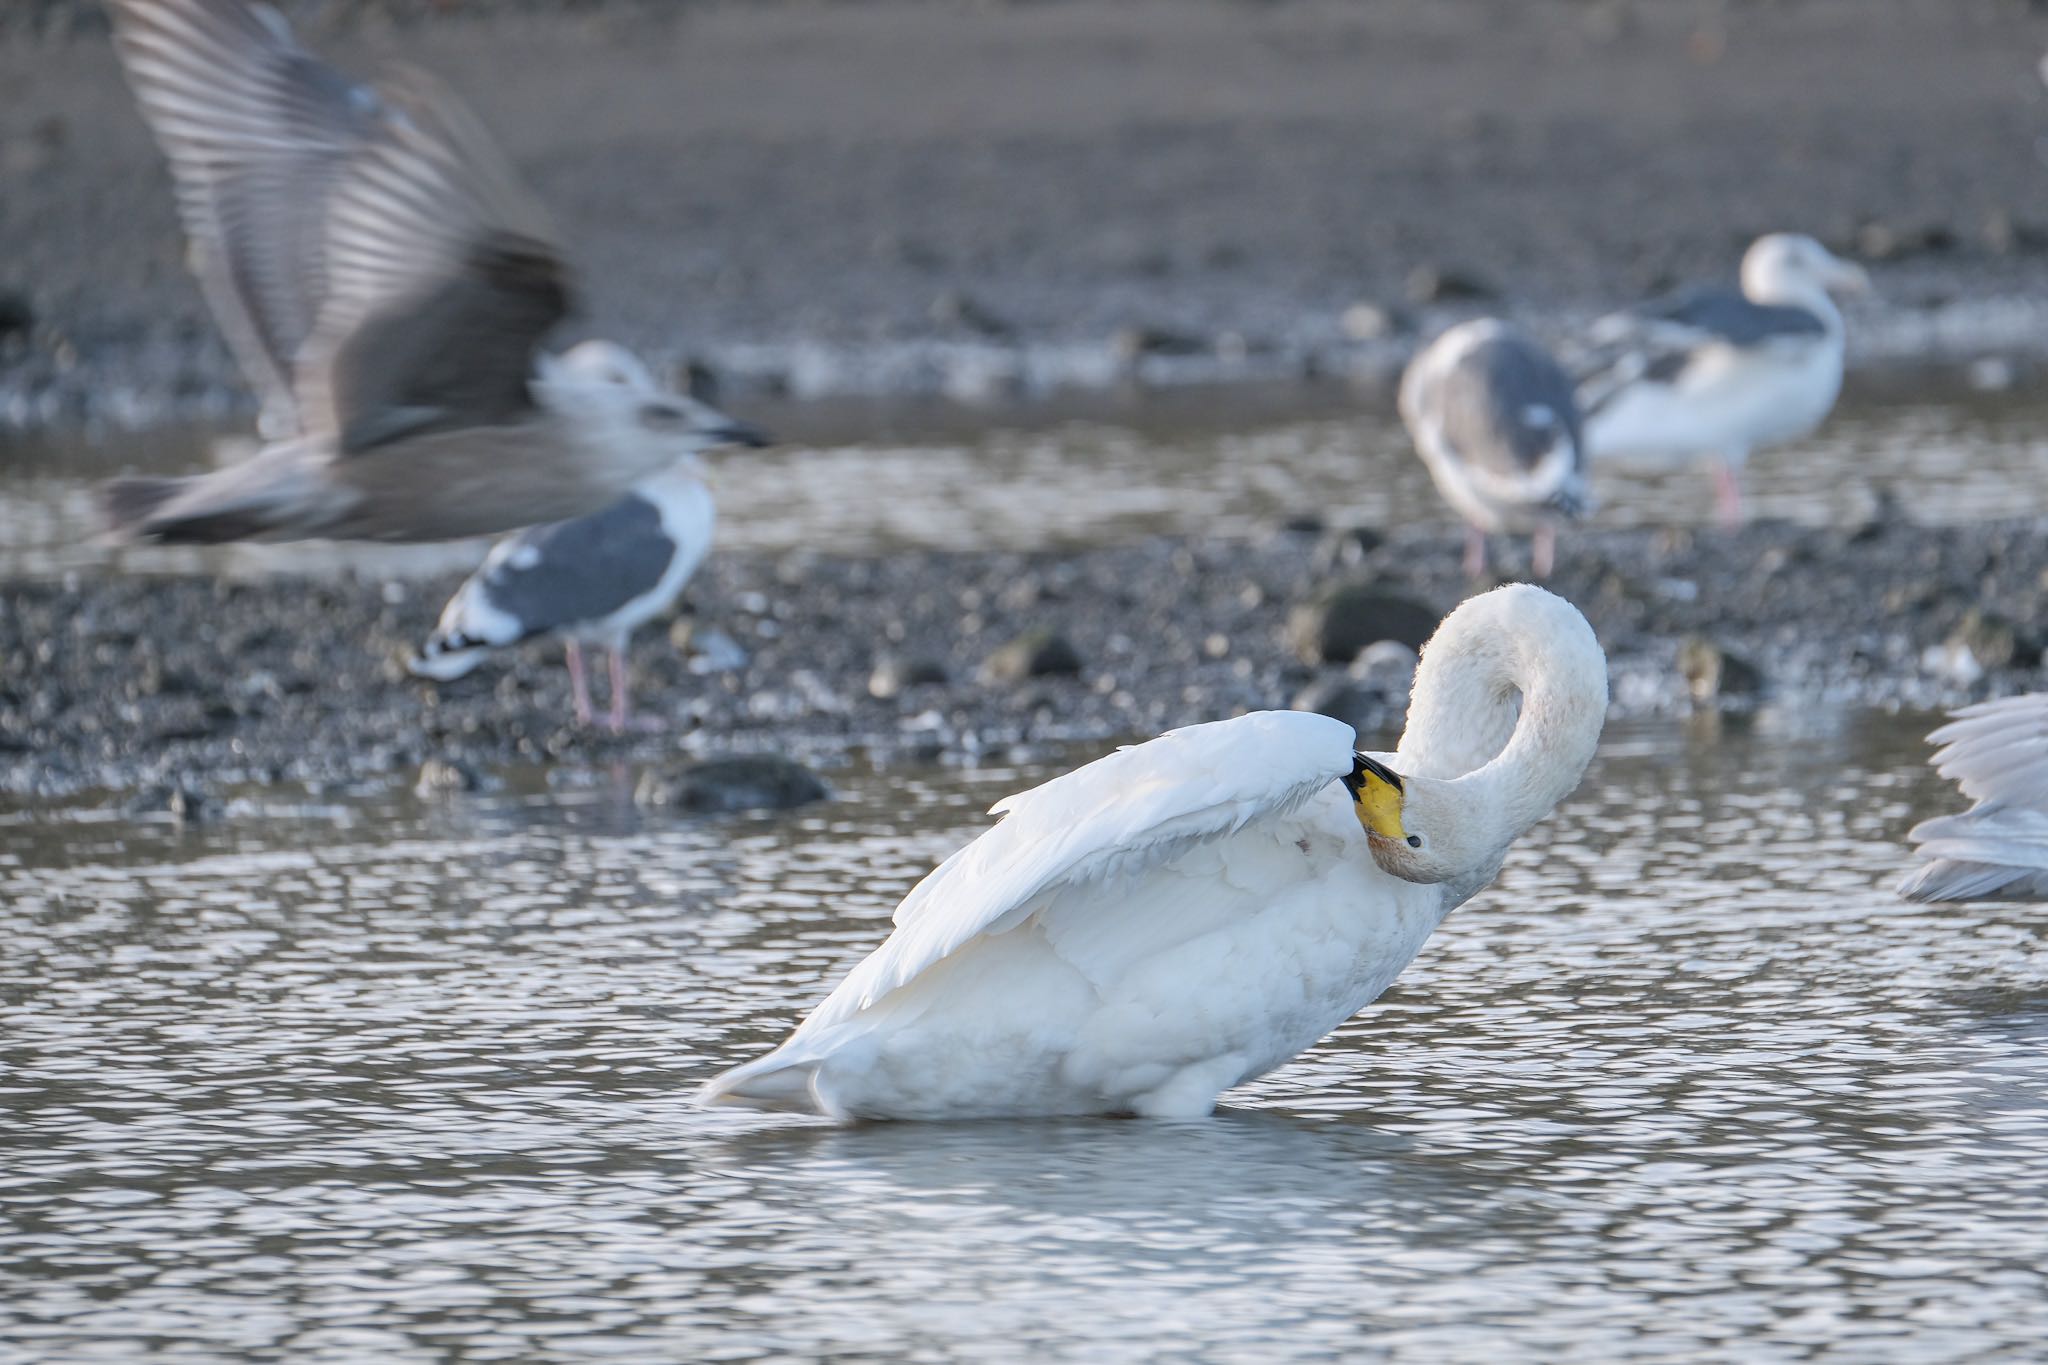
1147	931
1997	752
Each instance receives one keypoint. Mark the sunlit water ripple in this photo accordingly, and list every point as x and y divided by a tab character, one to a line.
392	1080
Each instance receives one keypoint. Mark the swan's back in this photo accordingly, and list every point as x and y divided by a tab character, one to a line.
1997	752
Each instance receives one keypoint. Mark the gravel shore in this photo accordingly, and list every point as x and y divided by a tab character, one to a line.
894	197
131	683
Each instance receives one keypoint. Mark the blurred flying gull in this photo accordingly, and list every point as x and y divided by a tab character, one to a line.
1997	752
1494	419
385	282
593	580
1713	371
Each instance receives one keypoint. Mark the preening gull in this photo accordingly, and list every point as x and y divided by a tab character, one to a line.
594	580
385	283
1997	752
1494	419
1712	371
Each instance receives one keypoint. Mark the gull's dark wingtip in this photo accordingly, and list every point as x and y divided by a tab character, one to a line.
127	504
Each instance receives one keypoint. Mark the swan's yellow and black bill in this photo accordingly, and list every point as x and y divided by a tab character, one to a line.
1376	793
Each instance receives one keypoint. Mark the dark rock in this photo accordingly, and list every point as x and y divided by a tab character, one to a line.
1711	672
1035	654
1881	241
17	314
955	308
1346	549
1359	705
1133	344
1369	322
1336	626
2000	236
1993	641
701	382
442	776
183	804
722	786
1884	514
1386	664
1446	284
893	676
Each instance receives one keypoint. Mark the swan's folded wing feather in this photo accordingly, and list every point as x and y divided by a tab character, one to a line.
1113	818
1997	753
2000	855
1998	750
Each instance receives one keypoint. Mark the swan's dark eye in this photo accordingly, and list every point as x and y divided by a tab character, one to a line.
1415	841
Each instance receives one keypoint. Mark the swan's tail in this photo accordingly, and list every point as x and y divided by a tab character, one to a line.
773	1082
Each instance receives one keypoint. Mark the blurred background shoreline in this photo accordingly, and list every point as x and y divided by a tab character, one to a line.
997	203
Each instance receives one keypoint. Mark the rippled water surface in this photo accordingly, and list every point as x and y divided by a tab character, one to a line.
370	1078
1943	456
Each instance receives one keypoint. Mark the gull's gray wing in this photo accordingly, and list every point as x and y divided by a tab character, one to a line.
1997	752
575	571
257	131
1659	340
444	279
1506	406
368	251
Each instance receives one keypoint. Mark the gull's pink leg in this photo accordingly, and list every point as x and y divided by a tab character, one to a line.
622	717
621	705
1475	552
579	687
1543	551
1728	493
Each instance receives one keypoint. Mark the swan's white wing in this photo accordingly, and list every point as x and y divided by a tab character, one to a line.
1997	752
1112	818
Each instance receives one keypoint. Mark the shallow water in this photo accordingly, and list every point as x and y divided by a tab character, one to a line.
1194	467
362	1076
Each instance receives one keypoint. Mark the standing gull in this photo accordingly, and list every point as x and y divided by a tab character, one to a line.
1711	371
593	580
1997	752
385	283
1493	418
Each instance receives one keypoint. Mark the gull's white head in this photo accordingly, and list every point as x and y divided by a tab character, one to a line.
1791	268
606	385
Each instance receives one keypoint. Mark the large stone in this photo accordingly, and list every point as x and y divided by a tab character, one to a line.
1034	654
721	786
185	805
17	314
1993	641
445	777
1446	284
1336	625
894	676
1712	673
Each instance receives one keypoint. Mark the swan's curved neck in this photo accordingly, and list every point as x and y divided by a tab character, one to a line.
1506	710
